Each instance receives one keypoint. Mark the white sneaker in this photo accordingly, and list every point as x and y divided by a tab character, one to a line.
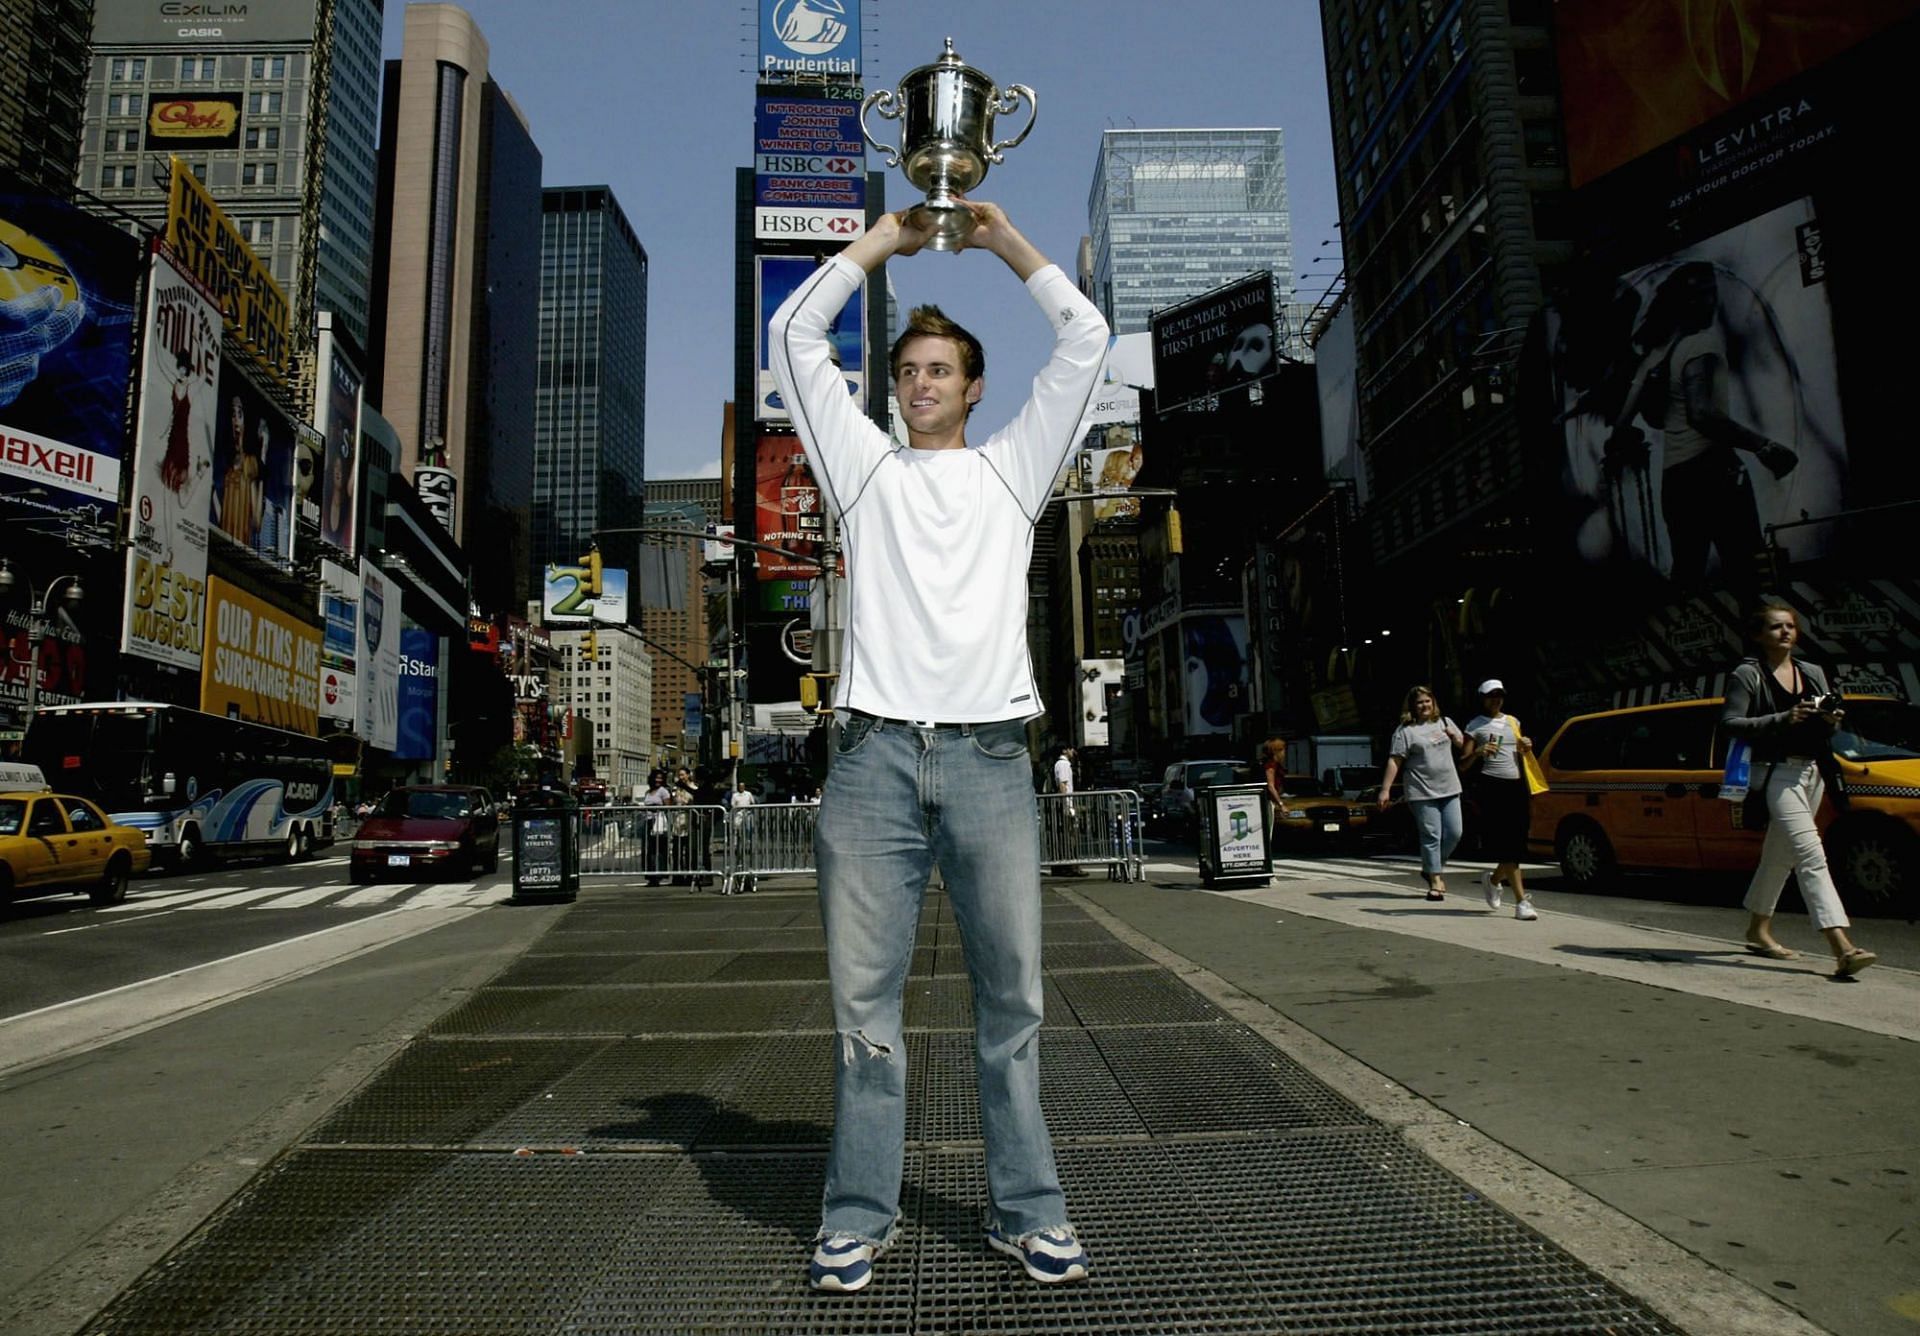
1524	911
1491	889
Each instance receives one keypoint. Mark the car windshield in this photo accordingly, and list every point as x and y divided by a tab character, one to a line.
1357	776
1879	730
1222	772
429	803
12	813
1300	786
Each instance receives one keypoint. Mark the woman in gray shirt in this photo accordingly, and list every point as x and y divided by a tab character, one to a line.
1425	748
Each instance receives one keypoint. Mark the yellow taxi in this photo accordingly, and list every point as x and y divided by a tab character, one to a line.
1639	789
57	844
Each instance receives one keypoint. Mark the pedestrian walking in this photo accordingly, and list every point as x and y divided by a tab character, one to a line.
740	801
930	757
1787	713
1069	818
1500	794
1273	769
1424	750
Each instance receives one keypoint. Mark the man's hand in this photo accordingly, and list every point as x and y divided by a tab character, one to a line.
994	231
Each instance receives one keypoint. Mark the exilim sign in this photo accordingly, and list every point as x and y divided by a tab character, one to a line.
158	22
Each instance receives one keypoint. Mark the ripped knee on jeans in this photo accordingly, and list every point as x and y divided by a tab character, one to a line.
854	1042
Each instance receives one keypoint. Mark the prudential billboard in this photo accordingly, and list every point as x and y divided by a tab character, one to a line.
810	37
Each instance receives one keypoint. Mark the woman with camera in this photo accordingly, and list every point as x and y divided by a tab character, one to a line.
1787	714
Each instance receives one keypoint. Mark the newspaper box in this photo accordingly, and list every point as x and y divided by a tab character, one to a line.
1235	838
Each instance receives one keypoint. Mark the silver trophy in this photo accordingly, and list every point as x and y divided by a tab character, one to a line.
946	111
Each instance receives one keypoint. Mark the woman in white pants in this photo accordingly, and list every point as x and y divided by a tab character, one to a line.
1775	703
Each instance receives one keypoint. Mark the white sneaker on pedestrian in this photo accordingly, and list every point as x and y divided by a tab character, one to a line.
1491	889
1524	911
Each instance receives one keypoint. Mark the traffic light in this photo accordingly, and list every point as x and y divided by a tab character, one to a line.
592	562
590	646
816	691
1176	543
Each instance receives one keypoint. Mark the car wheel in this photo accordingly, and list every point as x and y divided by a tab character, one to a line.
190	855
1877	864
1586	856
293	843
112	890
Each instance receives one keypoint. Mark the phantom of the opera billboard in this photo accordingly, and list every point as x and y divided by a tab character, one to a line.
1214	342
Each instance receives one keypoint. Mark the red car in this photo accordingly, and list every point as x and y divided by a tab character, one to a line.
427	829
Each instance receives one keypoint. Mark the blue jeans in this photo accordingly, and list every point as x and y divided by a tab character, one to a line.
899	798
1438	822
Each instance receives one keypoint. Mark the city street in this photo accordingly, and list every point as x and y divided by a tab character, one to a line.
154	1057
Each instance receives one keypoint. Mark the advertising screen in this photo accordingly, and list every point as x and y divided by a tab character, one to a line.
810	37
776	277
1216	671
253	450
1634	76
263	664
1214	342
564	600
66	322
1699	402
339	409
1109	463
208	246
787	509
419	694
178	121
339	647
166	22
173	471
379	656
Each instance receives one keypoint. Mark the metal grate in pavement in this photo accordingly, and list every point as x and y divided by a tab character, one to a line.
533	971
1354	1231
1216	1078
945	1002
1078	1093
1132	997
738	936
781	1097
447	1094
351	1242
631	1093
664	1009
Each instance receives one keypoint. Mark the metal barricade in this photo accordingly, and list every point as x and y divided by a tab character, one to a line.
682	846
769	839
1101	827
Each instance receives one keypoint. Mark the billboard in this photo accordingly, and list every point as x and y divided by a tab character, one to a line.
173	470
192	120
808	157
263	664
1698	401
564	600
437	488
209	247
775	277
1126	370
419	695
165	22
1633	77
787	508
379	656
339	647
66	326
253	449
809	37
1215	341
1216	673
1109	463
338	410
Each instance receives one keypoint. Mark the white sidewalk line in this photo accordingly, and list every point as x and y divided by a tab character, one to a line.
1881	1001
85	1023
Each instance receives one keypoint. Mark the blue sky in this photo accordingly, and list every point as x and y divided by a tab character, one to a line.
656	100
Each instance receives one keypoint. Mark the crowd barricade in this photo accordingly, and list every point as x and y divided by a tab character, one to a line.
685	846
731	849
769	839
1097	829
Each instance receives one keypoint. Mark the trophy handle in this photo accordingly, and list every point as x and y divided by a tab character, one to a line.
1005	102
890	109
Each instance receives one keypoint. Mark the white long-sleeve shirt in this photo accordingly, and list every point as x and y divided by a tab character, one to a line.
937	542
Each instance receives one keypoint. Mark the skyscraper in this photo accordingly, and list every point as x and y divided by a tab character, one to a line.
456	287
43	78
1175	213
274	112
589	428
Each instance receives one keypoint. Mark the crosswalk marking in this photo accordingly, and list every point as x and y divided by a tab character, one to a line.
443	897
311	895
375	894
165	901
241	897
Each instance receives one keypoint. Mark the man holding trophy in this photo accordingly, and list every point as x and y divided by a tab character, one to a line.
930	754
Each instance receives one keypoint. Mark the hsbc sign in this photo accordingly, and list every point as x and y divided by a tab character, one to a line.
808	224
807	164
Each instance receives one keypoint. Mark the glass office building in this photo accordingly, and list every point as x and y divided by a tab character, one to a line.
1175	213
591	400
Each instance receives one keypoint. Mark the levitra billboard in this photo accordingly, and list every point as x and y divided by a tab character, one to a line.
158	22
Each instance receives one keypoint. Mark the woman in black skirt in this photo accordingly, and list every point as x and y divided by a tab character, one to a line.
1500	790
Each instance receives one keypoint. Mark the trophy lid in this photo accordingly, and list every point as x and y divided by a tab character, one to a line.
949	60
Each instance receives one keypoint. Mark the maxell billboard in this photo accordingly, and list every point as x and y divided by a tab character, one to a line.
1222	338
810	37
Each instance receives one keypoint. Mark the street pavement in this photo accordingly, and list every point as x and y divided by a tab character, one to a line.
1727	1140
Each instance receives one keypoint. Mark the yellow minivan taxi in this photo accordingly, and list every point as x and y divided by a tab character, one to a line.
1639	789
